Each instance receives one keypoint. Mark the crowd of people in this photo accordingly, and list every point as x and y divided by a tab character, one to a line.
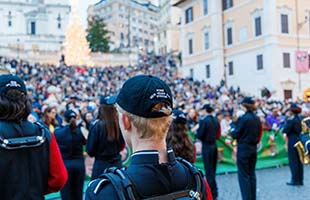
80	88
76	100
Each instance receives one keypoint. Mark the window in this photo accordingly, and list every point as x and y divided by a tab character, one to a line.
189	15
230	68
258	26
207	40
229	36
146	42
259	62
227	4
191	73
32	28
135	41
10	19
205	7
284	23
288	94
122	36
190	46
286	60
208	75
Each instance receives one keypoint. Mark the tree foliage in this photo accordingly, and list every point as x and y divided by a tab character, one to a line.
98	35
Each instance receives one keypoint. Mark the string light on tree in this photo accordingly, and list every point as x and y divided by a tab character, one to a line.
76	47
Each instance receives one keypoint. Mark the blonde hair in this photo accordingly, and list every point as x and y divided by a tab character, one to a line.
149	127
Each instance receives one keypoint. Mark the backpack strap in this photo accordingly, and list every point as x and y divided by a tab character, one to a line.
200	189
120	179
25	142
44	130
175	196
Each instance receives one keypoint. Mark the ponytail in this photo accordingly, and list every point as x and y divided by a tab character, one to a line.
72	123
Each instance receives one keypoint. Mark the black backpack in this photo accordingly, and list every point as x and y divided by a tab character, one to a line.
122	184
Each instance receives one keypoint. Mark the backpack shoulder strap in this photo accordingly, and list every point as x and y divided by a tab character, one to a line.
200	189
44	131
121	182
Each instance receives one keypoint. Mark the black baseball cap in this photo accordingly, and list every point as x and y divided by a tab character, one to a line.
179	116
104	99
141	93
69	114
208	107
8	82
248	100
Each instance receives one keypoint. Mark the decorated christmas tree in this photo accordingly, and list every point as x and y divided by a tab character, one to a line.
76	47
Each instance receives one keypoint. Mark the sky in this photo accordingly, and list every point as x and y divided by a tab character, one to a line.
83	5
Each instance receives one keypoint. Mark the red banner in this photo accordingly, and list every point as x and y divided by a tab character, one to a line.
302	61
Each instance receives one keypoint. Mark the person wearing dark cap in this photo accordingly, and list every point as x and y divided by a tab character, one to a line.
248	133
208	132
71	140
31	164
179	140
105	140
292	129
36	110
144	106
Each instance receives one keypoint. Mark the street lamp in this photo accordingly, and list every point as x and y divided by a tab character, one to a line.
17	48
225	75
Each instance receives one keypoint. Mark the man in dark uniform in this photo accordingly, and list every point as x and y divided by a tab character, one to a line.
292	129
144	105
248	132
209	130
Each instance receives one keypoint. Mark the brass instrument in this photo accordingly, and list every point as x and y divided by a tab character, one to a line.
230	140
303	154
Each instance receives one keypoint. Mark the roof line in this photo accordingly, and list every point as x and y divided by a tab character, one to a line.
178	2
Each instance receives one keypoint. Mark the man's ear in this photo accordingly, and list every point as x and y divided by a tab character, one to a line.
127	122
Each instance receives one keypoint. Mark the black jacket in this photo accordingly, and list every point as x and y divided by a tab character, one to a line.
23	172
98	145
293	128
209	130
248	129
70	142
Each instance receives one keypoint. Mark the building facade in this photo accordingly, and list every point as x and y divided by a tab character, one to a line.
248	43
132	24
168	37
37	25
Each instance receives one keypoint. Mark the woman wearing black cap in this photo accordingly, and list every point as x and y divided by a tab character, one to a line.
105	140
71	140
179	140
293	129
31	164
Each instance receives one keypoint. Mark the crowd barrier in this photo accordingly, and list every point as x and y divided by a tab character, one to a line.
271	152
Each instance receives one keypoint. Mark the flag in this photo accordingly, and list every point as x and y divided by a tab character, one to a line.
302	61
